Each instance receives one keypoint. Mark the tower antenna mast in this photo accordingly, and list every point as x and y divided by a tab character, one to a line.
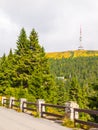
80	47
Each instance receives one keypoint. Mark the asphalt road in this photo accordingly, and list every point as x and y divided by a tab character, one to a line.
12	120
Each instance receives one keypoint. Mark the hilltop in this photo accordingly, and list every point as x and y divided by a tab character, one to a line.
75	53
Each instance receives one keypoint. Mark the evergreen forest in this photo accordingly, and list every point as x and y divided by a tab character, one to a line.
77	80
80	78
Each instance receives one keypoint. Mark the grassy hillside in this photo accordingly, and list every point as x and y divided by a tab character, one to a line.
76	53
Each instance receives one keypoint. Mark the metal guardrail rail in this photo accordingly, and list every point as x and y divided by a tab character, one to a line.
53	106
28	108
90	112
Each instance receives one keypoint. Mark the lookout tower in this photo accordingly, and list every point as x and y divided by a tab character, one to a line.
80	39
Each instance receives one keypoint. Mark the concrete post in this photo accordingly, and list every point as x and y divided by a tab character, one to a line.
10	101
2	100
70	110
39	102
21	103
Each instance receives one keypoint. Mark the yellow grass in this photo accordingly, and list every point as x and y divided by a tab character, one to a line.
68	54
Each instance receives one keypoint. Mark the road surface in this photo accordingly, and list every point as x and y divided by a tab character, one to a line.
12	120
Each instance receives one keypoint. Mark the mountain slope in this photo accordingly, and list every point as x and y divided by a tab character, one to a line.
76	53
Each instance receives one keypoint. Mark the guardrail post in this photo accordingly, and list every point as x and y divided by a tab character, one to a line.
10	101
39	109
21	103
3	101
24	105
70	110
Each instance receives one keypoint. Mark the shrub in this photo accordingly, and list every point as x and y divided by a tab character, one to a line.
67	122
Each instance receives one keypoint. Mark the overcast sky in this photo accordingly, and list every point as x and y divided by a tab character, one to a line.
56	21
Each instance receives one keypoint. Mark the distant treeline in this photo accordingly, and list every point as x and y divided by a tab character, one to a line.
79	80
84	68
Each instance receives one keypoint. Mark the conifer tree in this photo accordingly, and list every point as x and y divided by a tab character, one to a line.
22	42
34	43
20	79
31	75
5	73
41	81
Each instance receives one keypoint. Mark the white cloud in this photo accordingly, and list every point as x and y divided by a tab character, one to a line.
57	22
8	33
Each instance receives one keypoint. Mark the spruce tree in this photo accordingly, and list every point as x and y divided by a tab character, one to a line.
41	81
31	74
6	72
22	42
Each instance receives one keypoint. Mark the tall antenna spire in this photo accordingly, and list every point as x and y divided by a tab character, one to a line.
80	34
80	47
